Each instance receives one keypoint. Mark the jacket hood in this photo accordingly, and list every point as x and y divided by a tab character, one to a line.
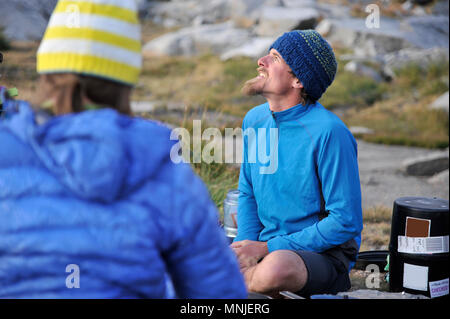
99	155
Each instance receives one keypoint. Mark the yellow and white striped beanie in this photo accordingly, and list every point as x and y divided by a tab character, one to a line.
93	37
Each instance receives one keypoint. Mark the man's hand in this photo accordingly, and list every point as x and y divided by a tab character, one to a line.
249	252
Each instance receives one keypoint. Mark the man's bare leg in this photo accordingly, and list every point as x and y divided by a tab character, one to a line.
278	271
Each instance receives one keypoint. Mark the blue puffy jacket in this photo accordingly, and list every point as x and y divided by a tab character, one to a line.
92	200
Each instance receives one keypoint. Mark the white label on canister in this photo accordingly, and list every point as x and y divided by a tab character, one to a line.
423	245
439	288
415	277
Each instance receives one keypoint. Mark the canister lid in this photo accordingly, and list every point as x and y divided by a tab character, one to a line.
233	195
423	203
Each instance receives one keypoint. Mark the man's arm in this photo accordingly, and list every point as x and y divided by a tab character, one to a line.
249	225
337	169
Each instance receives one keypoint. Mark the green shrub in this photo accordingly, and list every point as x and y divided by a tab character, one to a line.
409	125
169	67
426	81
240	69
350	90
219	179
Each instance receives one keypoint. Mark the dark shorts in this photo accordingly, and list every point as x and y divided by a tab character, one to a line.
326	274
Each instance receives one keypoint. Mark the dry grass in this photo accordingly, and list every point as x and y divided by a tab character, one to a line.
400	121
375	236
377	214
19	68
377	228
199	82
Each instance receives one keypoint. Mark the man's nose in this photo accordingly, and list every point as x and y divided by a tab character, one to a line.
263	61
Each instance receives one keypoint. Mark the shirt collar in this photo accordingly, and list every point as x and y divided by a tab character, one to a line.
291	113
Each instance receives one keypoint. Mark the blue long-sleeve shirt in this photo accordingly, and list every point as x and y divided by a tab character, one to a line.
312	172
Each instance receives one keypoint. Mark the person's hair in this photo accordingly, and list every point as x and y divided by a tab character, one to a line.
305	98
69	92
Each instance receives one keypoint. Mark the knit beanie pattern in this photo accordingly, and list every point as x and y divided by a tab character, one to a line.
99	38
311	59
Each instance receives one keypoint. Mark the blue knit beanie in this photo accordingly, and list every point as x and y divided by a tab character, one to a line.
311	59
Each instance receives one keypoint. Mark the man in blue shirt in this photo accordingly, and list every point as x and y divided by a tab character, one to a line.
299	222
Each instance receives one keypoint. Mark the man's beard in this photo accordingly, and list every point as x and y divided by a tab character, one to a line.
252	87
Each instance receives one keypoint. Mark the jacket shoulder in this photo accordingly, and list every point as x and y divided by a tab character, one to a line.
330	122
256	114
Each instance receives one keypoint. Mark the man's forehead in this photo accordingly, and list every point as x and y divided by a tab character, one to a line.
275	52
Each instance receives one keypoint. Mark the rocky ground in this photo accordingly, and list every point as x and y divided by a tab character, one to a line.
384	174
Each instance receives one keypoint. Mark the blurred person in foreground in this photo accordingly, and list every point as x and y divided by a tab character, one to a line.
299	225
91	206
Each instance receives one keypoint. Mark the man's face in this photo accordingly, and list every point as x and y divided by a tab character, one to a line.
275	77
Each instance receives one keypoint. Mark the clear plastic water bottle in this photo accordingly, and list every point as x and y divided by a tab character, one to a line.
230	205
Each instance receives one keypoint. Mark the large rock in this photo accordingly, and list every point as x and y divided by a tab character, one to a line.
245	13
441	8
440	178
187	12
255	48
441	103
362	70
299	3
427	165
190	41
277	20
353	33
25	20
393	35
421	57
334	11
426	31
172	44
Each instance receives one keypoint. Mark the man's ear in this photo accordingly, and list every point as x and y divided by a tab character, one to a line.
297	84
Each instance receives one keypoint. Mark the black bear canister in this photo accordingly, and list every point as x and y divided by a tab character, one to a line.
419	245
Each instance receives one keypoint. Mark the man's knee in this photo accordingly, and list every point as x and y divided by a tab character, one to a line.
279	270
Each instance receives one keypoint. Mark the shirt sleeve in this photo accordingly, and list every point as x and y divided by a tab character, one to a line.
337	169
248	222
